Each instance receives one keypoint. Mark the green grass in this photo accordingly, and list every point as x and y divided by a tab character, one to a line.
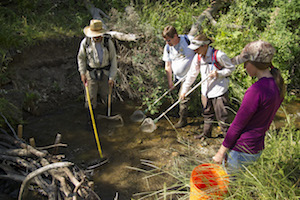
274	176
26	22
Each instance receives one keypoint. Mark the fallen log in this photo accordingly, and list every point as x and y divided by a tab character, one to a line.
38	172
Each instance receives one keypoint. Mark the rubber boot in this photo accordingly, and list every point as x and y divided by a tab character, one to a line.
181	123
183	112
207	129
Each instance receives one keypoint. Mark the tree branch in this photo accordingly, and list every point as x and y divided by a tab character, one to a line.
214	7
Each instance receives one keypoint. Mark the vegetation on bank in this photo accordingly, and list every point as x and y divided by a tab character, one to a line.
276	175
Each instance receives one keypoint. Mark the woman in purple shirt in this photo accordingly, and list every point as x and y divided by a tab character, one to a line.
244	140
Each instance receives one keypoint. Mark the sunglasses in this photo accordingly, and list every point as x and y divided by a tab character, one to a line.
168	40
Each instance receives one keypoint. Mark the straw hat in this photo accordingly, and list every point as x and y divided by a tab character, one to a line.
95	28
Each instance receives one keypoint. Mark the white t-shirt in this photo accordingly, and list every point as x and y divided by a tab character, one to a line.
180	56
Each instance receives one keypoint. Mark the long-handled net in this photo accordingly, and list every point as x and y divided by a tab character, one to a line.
148	124
139	116
116	120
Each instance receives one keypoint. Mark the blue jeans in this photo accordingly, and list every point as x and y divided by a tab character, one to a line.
236	160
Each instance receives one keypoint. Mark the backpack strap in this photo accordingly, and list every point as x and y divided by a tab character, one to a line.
106	38
187	39
168	48
214	59
199	58
87	42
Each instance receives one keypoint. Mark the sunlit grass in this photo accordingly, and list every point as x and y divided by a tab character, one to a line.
274	176
27	22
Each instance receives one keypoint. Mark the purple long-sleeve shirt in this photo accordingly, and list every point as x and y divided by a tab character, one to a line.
253	119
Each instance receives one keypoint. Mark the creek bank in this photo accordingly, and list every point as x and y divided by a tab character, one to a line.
46	85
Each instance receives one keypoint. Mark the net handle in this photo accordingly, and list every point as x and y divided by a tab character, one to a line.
178	101
157	100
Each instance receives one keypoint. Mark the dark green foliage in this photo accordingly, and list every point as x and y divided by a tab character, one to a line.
24	22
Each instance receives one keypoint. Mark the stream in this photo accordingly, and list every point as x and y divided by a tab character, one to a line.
123	146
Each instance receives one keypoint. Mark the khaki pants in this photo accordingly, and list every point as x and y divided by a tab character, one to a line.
215	109
183	105
95	87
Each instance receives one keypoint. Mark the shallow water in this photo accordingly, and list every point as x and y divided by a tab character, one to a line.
123	146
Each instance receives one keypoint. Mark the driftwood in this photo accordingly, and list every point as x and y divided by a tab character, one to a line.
214	7
99	14
41	171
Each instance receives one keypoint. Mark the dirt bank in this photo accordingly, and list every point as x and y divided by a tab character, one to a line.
45	75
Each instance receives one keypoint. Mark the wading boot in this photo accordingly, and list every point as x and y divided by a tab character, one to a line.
181	123
207	129
183	113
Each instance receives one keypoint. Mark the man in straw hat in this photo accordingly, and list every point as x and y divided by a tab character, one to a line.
97	62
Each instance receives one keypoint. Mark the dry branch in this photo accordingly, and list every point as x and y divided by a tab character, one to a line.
38	172
124	37
97	13
214	7
31	166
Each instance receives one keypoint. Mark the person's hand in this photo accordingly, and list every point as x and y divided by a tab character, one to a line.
181	96
220	155
171	85
83	78
218	158
111	83
213	74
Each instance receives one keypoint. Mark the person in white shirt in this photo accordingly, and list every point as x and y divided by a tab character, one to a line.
214	91
178	58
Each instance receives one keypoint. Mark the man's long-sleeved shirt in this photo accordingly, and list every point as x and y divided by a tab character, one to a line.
210	88
88	55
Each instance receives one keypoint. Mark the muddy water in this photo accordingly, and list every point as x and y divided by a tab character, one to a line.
123	146
288	113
